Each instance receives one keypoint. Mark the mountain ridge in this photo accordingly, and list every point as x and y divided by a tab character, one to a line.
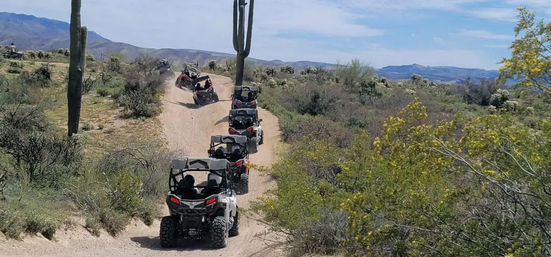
29	32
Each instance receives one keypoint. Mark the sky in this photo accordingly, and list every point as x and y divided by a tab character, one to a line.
463	33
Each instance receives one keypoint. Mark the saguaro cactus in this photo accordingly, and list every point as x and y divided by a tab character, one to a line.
76	68
241	46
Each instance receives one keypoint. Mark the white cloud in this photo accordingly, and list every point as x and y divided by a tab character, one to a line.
309	16
502	14
411	4
484	34
498	46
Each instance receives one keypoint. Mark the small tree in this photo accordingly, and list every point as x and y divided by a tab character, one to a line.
530	61
353	74
212	65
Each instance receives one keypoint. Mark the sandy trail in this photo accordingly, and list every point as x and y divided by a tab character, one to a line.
187	130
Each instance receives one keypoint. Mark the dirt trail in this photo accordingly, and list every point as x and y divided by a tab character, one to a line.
188	130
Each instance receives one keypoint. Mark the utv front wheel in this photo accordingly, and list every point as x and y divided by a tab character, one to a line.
169	226
215	98
218	232
234	231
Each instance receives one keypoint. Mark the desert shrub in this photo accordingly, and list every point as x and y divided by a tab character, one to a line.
139	99
15	67
499	98
87	126
114	64
323	236
102	92
420	189
93	225
10	224
317	126
353	74
147	165
113	221
110	199
287	69
312	99
34	223
142	90
212	65
44	156
88	84
41	77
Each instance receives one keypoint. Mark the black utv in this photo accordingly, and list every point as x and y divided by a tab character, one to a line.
207	210
204	94
245	97
245	122
234	149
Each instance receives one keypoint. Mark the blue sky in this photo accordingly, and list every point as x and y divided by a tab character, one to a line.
464	33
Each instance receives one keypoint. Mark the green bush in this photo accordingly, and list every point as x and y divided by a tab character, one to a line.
411	190
87	126
141	96
41	77
10	224
353	74
35	223
15	67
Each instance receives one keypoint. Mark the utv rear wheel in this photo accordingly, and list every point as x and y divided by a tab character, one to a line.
261	138
244	183
234	231
169	226
218	232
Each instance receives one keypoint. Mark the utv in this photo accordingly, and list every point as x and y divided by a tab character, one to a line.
245	97
204	94
206	210
185	80
13	55
236	151
245	122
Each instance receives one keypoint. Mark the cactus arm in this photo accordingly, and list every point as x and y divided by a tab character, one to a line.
249	28
241	33
82	50
235	10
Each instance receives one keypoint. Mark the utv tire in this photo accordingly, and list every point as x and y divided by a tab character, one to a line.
215	97
167	235
218	232
195	101
234	231
244	184
261	138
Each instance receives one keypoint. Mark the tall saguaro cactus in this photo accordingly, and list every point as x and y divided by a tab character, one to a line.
76	68
241	46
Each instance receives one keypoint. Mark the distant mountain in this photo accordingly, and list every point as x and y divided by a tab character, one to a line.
436	73
32	33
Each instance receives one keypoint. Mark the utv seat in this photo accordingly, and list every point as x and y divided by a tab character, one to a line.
213	185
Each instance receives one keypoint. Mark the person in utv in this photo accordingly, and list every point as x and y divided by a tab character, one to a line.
186	188
13	49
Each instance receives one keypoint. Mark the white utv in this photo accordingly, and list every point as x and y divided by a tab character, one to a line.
207	210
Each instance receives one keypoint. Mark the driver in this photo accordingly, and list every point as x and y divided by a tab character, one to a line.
208	84
13	49
186	187
220	153
250	97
